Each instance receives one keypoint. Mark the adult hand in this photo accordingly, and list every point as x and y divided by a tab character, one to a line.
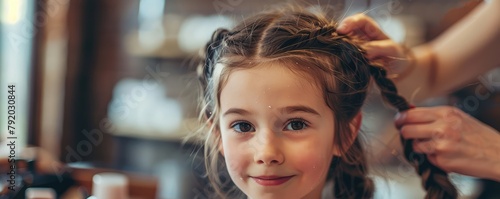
378	46
453	140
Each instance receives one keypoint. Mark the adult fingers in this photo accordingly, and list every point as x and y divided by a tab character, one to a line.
419	115
424	146
361	24
433	159
382	48
418	131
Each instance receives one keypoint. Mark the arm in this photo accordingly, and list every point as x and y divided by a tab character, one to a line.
468	49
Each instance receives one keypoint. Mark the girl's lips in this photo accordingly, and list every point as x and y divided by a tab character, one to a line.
271	180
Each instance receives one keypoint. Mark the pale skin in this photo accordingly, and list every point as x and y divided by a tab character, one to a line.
452	140
276	126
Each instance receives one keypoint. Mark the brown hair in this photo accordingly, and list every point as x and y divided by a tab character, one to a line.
308	44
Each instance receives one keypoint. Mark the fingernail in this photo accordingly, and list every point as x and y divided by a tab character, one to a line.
399	116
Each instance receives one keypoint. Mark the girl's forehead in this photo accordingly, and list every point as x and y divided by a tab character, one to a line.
268	75
271	85
295	71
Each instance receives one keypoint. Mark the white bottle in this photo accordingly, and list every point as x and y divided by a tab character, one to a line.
40	193
110	186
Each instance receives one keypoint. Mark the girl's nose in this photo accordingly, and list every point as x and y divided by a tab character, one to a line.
267	149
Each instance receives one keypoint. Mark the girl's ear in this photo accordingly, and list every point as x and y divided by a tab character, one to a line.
354	127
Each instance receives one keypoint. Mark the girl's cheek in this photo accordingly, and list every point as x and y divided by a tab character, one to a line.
235	159
314	163
234	167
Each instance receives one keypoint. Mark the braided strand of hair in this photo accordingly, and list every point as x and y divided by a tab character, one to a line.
209	59
352	182
434	180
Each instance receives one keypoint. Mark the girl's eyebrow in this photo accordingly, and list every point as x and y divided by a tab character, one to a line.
298	108
236	111
284	110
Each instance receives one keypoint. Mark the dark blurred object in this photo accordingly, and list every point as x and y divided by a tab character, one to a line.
28	176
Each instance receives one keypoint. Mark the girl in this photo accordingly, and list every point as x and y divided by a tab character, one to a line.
282	98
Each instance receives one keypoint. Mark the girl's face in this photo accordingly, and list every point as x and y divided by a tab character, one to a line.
277	133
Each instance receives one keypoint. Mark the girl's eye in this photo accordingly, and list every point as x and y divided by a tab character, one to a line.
243	127
296	125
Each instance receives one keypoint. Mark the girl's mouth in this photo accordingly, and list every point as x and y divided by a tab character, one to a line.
271	180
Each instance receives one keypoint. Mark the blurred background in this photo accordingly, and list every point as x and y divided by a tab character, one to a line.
111	84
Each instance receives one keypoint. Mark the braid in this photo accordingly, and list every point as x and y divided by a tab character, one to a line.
350	171
434	180
350	180
315	39
213	51
212	54
314	34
